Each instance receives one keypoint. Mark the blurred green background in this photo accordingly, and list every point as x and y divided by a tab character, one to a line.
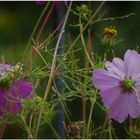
17	20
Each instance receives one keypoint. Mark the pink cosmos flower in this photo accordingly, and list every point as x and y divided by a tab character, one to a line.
119	86
12	91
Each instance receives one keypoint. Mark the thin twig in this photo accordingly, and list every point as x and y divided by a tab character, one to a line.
52	70
44	24
37	24
85	27
113	18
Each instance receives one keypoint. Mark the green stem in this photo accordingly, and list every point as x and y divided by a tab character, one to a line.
104	125
113	18
90	115
84	44
137	95
44	24
26	127
54	131
62	104
3	126
110	129
130	122
84	89
84	113
85	27
52	70
30	121
37	24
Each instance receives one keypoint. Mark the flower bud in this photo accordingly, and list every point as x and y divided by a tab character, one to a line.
108	36
84	11
18	68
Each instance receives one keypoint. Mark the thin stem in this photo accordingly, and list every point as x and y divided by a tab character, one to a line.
104	125
3	127
137	95
44	24
59	96
84	44
29	65
30	121
44	99
85	27
84	113
41	56
57	28
52	70
26	127
87	60
35	87
110	129
39	34
130	122
37	24
113	18
54	131
90	114
84	93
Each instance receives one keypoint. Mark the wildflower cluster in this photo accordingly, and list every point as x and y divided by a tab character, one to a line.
64	74
13	88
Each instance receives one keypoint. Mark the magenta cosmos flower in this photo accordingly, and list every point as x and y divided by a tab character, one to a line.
119	86
12	91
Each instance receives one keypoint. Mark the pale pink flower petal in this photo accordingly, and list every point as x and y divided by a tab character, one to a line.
117	83
131	63
104	80
119	109
109	96
133	106
116	67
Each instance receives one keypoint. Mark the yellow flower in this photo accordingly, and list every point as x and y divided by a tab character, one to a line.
110	32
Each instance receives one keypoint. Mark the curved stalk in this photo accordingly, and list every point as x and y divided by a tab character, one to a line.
52	70
90	114
84	28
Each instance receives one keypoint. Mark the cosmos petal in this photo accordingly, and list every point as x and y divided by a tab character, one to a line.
109	81
116	67
133	106
102	79
119	109
14	107
22	89
109	96
131	60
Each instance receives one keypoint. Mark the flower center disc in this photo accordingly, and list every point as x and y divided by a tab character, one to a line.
128	85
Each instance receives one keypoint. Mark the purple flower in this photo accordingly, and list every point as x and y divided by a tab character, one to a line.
119	86
12	91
